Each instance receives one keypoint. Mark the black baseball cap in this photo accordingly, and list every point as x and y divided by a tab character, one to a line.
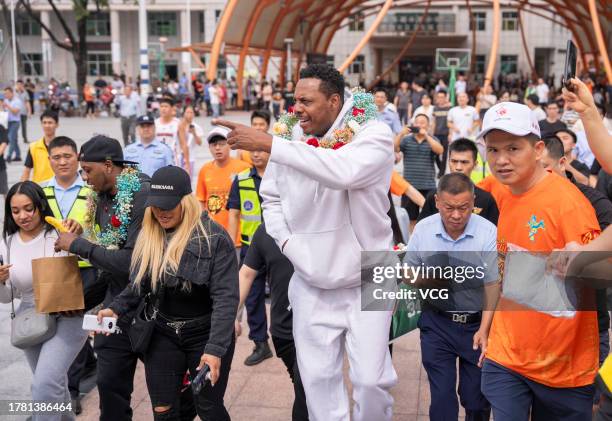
145	119
102	148
168	186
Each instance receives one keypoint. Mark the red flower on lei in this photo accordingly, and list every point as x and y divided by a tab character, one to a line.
290	109
338	145
115	222
358	111
313	142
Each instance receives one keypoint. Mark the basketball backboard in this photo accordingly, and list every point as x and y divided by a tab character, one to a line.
453	58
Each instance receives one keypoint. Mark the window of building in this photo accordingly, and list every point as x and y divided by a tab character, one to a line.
446	22
25	25
99	64
356	22
509	64
330	60
481	62
162	23
480	21
32	64
201	22
358	65
509	21
217	15
98	24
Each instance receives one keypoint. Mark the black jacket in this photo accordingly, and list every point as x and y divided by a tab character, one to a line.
210	262
114	264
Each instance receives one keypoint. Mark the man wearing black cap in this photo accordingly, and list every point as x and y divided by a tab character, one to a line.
114	180
149	152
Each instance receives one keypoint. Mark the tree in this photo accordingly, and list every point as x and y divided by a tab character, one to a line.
76	44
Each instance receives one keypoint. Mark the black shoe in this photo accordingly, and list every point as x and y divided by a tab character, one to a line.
76	405
8	160
260	353
18	159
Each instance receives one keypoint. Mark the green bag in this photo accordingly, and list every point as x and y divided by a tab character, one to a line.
406	315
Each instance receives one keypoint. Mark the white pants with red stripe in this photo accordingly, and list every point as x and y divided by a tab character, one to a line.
327	322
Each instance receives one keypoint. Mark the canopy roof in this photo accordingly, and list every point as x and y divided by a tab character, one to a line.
249	27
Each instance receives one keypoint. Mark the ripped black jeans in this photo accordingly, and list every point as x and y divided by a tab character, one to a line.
168	358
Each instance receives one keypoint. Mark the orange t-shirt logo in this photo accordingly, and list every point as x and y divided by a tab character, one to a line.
534	225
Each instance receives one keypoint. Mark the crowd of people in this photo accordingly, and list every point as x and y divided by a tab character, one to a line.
490	175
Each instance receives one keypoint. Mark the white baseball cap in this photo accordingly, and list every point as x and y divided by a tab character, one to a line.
510	117
217	131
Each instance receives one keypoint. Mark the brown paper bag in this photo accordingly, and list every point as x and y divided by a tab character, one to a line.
57	284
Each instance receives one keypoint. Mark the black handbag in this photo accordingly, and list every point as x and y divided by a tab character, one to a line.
141	329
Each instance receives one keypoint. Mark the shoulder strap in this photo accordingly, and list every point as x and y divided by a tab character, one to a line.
8	258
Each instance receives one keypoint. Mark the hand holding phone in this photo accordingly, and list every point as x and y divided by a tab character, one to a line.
200	379
107	325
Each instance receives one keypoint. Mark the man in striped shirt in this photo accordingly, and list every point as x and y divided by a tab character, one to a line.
419	149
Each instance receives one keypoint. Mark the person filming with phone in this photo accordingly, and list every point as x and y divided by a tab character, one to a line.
420	150
184	266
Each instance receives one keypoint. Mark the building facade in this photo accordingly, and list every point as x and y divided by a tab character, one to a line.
113	41
448	26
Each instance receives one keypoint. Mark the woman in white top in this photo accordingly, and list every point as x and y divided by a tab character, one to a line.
27	236
191	134
427	109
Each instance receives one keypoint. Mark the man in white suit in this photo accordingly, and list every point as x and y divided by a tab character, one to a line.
323	206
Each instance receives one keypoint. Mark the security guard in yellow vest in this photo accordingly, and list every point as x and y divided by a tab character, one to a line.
37	160
244	205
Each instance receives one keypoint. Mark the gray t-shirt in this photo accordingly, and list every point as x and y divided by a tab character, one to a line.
416	98
403	99
25	98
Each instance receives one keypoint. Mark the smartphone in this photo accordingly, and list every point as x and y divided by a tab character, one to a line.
108	325
202	377
191	126
414	129
569	70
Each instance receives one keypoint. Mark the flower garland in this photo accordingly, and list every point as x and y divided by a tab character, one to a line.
115	234
363	111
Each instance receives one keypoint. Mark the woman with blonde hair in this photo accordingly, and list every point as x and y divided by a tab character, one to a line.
185	266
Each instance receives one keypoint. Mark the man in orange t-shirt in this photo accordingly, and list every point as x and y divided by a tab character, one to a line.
215	177
537	362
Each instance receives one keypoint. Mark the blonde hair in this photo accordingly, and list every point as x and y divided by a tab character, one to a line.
153	254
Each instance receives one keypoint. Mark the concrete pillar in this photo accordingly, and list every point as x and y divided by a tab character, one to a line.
47	56
115	28
185	40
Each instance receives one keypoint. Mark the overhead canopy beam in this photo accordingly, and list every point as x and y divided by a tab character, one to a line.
367	36
601	43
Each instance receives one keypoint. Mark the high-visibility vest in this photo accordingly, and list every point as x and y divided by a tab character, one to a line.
250	207
481	170
78	211
41	170
604	377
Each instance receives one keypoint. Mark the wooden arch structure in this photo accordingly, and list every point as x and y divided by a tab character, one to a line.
247	28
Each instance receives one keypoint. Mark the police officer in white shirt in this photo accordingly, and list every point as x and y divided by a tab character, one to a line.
148	151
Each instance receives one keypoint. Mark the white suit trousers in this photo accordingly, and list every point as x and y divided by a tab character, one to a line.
325	323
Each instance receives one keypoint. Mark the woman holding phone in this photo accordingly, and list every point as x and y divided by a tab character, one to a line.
188	264
27	236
